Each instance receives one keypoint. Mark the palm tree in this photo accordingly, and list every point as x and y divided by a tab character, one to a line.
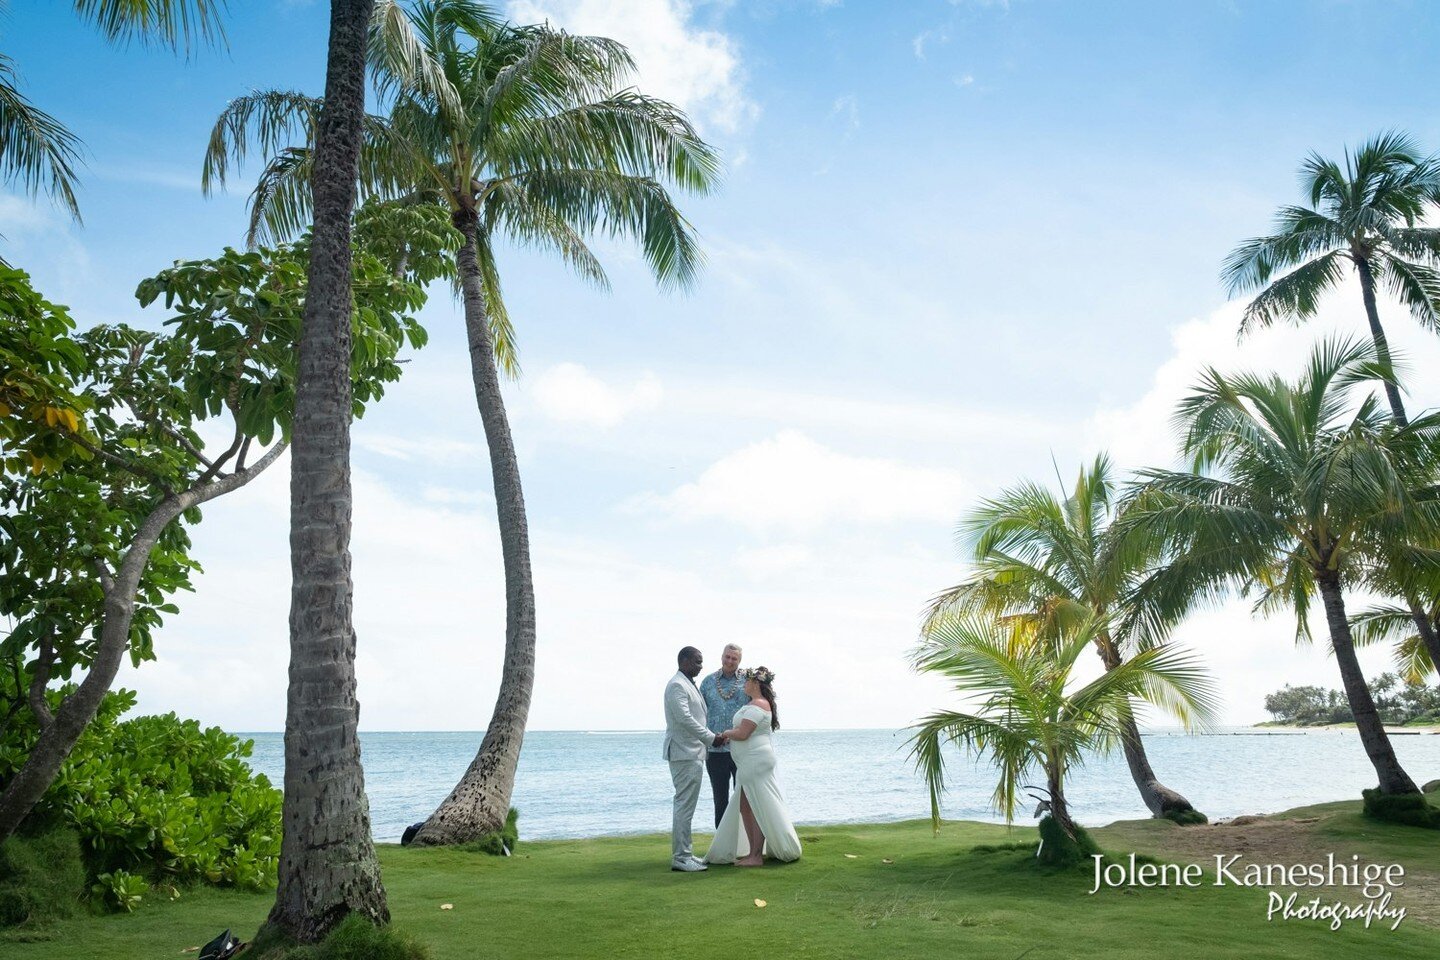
1039	554
525	134
37	151
1034	714
1369	212
1297	490
328	867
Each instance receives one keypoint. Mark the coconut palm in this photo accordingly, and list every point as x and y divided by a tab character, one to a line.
38	153
525	134
328	869
1035	715
1366	212
1036	553
1299	489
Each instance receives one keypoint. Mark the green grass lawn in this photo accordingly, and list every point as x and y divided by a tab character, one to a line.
937	896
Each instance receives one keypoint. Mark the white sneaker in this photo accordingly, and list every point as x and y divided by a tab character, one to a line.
688	866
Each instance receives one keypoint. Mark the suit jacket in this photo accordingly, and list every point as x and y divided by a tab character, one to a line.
686	736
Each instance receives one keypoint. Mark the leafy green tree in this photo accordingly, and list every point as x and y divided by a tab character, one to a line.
1297	491
39	364
38	152
93	551
1034	714
524	134
1365	215
1042	556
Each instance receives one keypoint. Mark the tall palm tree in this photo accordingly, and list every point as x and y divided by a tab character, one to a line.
38	152
525	134
1037	554
1369	212
1297	491
1035	715
328	867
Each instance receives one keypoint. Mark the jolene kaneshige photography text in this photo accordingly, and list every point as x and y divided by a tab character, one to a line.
933	478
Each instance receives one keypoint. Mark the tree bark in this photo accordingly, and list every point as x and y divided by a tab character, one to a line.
481	800
1377	333
1158	798
60	731
1393	778
328	867
1059	809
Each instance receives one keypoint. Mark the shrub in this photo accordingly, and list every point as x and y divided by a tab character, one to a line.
498	842
1185	818
1407	809
1058	850
157	800
42	878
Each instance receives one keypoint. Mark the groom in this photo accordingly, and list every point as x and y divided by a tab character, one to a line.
686	739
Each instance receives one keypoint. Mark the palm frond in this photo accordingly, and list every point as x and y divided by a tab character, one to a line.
37	152
178	24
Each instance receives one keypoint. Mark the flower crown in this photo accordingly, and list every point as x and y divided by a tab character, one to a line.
760	675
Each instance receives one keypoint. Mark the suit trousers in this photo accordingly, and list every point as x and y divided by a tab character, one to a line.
721	768
686	774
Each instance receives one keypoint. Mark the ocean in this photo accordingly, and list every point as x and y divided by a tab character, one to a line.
587	784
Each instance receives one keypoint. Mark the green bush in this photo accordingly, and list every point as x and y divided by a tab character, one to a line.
355	938
1059	850
1407	809
497	843
1185	818
42	878
157	800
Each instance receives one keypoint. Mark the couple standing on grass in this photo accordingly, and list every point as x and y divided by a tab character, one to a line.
725	725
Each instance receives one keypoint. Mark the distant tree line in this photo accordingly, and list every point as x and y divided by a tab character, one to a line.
1397	702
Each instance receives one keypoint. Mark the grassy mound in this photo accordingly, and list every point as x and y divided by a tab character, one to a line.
497	843
1057	849
1408	809
356	938
1185	818
42	879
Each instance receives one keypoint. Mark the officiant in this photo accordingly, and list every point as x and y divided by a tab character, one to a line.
724	693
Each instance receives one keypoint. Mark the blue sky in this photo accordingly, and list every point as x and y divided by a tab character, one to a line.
955	241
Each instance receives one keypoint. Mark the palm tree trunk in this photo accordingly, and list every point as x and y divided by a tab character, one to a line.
328	867
481	800
1393	778
1158	798
1059	809
1377	333
59	733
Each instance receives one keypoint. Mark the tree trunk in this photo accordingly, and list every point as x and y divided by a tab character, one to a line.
1377	333
1393	779
481	800
59	735
1429	635
1059	809
1158	798
328	868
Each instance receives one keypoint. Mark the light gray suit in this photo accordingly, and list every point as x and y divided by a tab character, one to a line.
686	739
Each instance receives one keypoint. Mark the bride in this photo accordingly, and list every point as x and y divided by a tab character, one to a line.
759	823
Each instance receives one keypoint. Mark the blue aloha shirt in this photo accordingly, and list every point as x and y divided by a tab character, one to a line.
720	712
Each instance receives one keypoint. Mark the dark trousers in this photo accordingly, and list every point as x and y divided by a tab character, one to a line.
721	768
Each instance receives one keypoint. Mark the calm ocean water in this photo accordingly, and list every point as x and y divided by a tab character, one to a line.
577	784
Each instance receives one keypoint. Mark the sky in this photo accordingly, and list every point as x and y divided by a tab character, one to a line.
958	245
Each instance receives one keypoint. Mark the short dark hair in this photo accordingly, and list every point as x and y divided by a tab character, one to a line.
686	653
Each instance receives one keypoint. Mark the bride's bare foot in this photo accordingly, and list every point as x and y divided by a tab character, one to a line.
750	862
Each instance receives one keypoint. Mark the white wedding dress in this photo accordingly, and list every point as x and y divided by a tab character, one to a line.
755	780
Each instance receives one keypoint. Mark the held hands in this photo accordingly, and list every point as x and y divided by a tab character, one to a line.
722	738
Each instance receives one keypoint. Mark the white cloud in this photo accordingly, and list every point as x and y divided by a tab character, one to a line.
847	108
569	393
924	38
964	80
790	481
431	449
678	60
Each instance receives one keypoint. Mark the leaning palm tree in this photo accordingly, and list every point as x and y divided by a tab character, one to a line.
1299	489
1034	714
38	153
1038	554
525	134
1368	214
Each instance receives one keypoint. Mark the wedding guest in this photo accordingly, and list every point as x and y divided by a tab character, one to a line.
724	693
